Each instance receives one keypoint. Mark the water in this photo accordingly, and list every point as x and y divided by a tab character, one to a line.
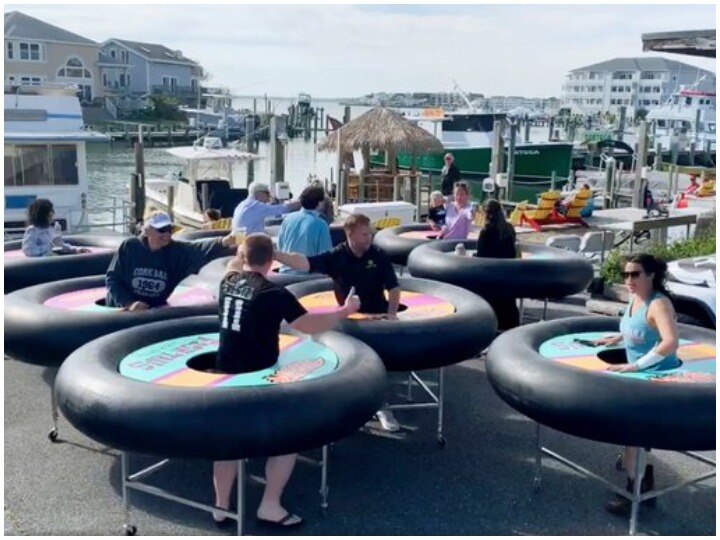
110	165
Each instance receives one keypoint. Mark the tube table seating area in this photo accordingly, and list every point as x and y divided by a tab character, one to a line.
148	390
551	373
22	271
213	272
438	325
398	242
541	272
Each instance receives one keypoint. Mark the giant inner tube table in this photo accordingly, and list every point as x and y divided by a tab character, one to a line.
543	371
398	242
438	325
541	272
148	390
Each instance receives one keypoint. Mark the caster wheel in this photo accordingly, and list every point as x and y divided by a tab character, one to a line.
536	485
441	441
52	435
130	530
619	463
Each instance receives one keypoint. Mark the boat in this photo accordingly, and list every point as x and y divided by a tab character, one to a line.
469	135
205	182
45	154
688	116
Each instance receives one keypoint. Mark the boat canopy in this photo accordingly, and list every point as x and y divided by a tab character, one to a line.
200	153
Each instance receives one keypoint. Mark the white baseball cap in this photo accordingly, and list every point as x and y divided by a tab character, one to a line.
159	220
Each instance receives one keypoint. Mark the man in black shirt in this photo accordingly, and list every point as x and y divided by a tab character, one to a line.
355	263
450	175
251	311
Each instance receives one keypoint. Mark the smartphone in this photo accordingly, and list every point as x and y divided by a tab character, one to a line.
586	342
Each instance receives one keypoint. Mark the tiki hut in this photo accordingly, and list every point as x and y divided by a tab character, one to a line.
382	130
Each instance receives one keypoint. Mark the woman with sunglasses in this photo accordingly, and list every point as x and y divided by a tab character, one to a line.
145	270
648	330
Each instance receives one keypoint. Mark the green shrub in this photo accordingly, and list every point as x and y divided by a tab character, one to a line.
682	249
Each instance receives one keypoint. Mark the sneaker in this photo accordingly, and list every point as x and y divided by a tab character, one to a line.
387	420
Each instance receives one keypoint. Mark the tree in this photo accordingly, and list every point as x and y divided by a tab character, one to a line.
641	114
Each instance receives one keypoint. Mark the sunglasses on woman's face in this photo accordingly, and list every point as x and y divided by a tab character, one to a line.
165	230
632	275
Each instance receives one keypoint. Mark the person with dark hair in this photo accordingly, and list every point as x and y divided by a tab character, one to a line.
305	231
210	217
497	240
357	264
145	270
40	238
251	309
449	175
648	330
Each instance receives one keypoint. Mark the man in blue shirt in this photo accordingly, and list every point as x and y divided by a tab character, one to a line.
305	231
251	212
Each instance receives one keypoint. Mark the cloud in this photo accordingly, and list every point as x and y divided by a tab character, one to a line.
345	50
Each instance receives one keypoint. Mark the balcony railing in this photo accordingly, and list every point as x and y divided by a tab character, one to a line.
175	90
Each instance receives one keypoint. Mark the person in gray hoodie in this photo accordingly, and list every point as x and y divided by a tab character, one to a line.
145	270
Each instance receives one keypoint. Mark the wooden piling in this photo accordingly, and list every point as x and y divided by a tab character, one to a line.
315	126
552	126
527	130
171	201
640	164
346	114
658	157
511	158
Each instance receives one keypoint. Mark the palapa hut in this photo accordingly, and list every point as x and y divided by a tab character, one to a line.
380	130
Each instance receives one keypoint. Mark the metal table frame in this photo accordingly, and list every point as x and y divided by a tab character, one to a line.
635	497
435	401
132	481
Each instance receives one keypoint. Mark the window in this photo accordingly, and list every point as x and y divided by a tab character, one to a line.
31	81
38	165
10	50
74	69
112	53
122	79
170	82
30	51
105	79
127	79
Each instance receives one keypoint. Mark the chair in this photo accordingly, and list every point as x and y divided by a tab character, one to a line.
386	222
570	242
578	203
707	189
223	223
595	243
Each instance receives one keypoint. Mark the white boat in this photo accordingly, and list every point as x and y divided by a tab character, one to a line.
45	153
206	182
688	116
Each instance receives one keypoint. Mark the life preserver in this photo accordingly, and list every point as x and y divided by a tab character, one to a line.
141	390
542	272
45	323
541	371
440	325
398	242
22	271
213	272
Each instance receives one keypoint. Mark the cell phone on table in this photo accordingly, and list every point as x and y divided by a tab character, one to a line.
586	342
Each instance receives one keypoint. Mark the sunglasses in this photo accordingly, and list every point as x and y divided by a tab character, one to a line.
633	275
164	230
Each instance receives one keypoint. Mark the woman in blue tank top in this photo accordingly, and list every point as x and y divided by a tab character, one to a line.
648	330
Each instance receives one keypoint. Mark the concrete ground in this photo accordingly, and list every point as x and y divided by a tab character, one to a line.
479	484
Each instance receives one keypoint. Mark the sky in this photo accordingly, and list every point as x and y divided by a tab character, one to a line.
353	50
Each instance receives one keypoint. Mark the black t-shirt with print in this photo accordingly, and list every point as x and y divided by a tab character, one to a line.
370	274
251	311
437	215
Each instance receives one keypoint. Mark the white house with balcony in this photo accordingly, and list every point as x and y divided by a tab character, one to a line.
132	70
635	83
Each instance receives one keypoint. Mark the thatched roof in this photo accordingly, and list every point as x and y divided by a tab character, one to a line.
383	130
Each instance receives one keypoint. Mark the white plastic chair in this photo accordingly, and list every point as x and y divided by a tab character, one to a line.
570	242
592	246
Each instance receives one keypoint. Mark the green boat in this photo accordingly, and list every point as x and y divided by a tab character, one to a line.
469	136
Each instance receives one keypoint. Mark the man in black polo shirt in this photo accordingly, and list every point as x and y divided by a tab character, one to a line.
251	310
357	263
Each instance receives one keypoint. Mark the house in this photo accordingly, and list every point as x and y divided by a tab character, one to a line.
37	53
635	83
137	70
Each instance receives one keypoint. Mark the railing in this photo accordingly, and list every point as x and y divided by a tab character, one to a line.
175	90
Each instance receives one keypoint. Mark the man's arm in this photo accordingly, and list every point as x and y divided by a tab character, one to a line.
393	302
314	323
298	261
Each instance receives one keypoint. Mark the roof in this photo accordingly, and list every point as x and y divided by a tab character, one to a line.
637	64
690	42
155	52
19	25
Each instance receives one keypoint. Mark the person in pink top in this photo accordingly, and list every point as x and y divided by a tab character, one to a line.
459	215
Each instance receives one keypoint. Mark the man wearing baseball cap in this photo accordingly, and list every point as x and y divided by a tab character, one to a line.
145	270
251	212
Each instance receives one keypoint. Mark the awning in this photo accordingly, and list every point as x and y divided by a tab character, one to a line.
689	42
